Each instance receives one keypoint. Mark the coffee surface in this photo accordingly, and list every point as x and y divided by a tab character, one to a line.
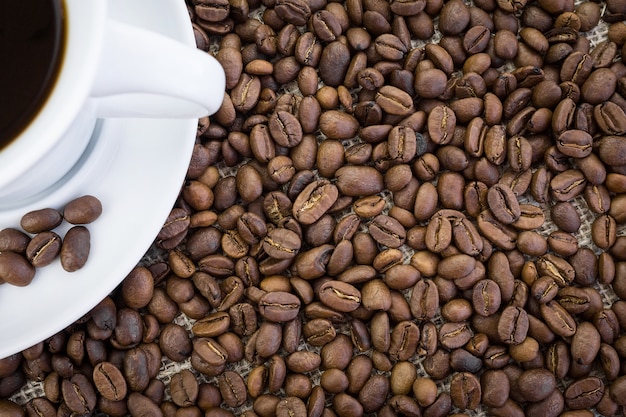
31	41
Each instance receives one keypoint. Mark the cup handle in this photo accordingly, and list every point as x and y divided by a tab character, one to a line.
145	74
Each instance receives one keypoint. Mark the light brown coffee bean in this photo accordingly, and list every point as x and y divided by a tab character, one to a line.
441	124
314	201
340	296
279	306
109	381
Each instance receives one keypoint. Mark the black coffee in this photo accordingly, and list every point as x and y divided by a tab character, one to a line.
31	42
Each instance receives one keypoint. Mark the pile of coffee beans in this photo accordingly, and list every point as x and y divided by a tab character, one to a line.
402	208
36	244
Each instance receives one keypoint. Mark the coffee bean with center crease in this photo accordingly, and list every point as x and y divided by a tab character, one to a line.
291	406
503	203
340	296
281	243
276	239
465	390
233	389
318	332
43	248
424	300
584	393
404	340
438	234
279	306
394	101
513	325
441	124
610	117
574	143
285	129
387	231
109	381
314	201
558	319
78	394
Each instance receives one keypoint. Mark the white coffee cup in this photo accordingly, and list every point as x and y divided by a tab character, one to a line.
108	69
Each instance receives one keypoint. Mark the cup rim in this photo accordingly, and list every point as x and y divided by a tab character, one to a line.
84	28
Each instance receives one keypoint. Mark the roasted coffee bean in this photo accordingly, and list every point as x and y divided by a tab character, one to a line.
290	406
460	153
340	296
513	325
611	118
394	101
373	394
465	390
78	394
558	319
109	381
404	340
498	233
13	240
39	407
11	409
233	388
454	335
314	201
574	143
557	268
279	306
387	231
82	210
503	203
486	297
564	215
43	248
438	234
441	124
41	220
15	269
281	243
536	384
495	388
584	393
75	248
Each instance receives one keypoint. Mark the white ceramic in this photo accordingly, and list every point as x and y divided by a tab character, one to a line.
110	68
136	168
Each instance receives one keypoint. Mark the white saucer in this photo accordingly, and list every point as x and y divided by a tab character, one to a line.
136	168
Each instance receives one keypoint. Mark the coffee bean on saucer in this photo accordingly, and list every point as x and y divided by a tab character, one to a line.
13	240
15	269
41	220
43	249
75	248
82	210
